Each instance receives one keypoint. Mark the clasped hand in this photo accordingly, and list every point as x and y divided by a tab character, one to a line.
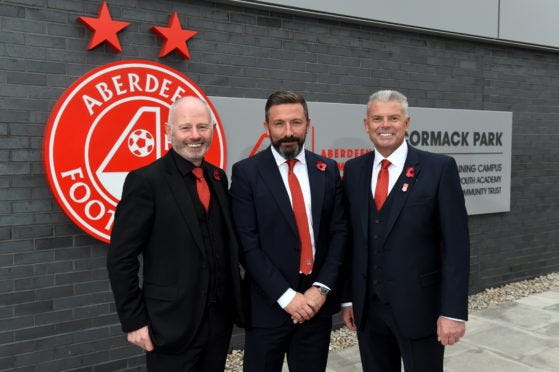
304	306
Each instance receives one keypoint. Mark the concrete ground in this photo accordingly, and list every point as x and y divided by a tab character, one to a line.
520	336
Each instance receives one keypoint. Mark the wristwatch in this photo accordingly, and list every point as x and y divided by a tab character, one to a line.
323	290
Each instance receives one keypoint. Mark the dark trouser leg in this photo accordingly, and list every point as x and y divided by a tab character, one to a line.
382	345
208	351
308	349
423	355
265	348
378	344
220	327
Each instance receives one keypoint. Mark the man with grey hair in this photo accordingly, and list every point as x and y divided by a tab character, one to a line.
175	212
407	289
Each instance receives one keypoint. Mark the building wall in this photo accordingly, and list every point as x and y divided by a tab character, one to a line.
56	307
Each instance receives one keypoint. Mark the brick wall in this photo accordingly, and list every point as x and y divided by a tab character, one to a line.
56	308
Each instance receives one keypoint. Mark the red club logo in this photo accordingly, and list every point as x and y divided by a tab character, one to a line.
106	124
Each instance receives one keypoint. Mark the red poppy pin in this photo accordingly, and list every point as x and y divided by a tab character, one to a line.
410	172
217	177
321	166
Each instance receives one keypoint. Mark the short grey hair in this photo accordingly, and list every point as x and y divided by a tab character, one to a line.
389	96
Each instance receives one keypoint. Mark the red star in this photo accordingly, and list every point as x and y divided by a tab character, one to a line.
174	37
103	28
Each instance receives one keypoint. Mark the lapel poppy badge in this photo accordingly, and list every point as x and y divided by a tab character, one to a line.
217	177
321	166
410	172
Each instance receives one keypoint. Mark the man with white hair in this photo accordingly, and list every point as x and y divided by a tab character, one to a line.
407	291
176	213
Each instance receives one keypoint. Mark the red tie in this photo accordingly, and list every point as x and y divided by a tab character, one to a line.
202	188
381	191
306	259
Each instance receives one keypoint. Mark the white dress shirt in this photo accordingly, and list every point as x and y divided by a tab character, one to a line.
301	171
397	160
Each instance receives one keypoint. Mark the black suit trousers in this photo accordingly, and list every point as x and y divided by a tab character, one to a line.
208	350
383	347
306	346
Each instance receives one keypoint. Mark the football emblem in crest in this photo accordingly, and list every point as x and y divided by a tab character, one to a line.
109	122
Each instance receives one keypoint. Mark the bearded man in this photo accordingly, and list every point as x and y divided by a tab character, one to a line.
290	221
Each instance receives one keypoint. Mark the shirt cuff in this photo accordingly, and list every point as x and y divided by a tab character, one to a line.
347	304
286	298
458	320
322	285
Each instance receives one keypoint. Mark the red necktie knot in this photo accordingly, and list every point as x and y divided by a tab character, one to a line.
202	187
385	163
198	173
291	164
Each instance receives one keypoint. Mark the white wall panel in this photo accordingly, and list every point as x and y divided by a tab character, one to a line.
533	22
475	17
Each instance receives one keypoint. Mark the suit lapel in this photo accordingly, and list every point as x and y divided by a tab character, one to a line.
269	171
222	196
184	201
365	174
317	184
220	192
215	180
403	187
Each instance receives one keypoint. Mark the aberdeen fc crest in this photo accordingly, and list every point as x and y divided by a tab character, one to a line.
109	122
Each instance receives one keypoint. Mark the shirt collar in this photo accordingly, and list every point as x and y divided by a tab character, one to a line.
184	166
397	158
280	159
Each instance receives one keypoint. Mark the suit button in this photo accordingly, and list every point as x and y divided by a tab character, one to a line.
375	236
377	221
375	282
375	267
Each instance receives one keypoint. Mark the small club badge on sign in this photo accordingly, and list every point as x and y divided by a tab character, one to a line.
109	122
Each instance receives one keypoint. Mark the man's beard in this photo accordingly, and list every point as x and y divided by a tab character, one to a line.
291	152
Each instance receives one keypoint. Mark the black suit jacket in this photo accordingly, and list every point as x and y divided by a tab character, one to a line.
156	218
425	251
268	236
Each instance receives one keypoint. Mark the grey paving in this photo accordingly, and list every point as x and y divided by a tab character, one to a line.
521	336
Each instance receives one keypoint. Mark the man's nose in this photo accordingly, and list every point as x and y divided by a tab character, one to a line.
195	133
288	130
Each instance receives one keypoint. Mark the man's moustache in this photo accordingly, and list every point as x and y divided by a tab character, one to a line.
288	139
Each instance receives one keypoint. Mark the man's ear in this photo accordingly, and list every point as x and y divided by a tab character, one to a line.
168	129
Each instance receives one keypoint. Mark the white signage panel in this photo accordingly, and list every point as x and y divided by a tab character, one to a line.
480	141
